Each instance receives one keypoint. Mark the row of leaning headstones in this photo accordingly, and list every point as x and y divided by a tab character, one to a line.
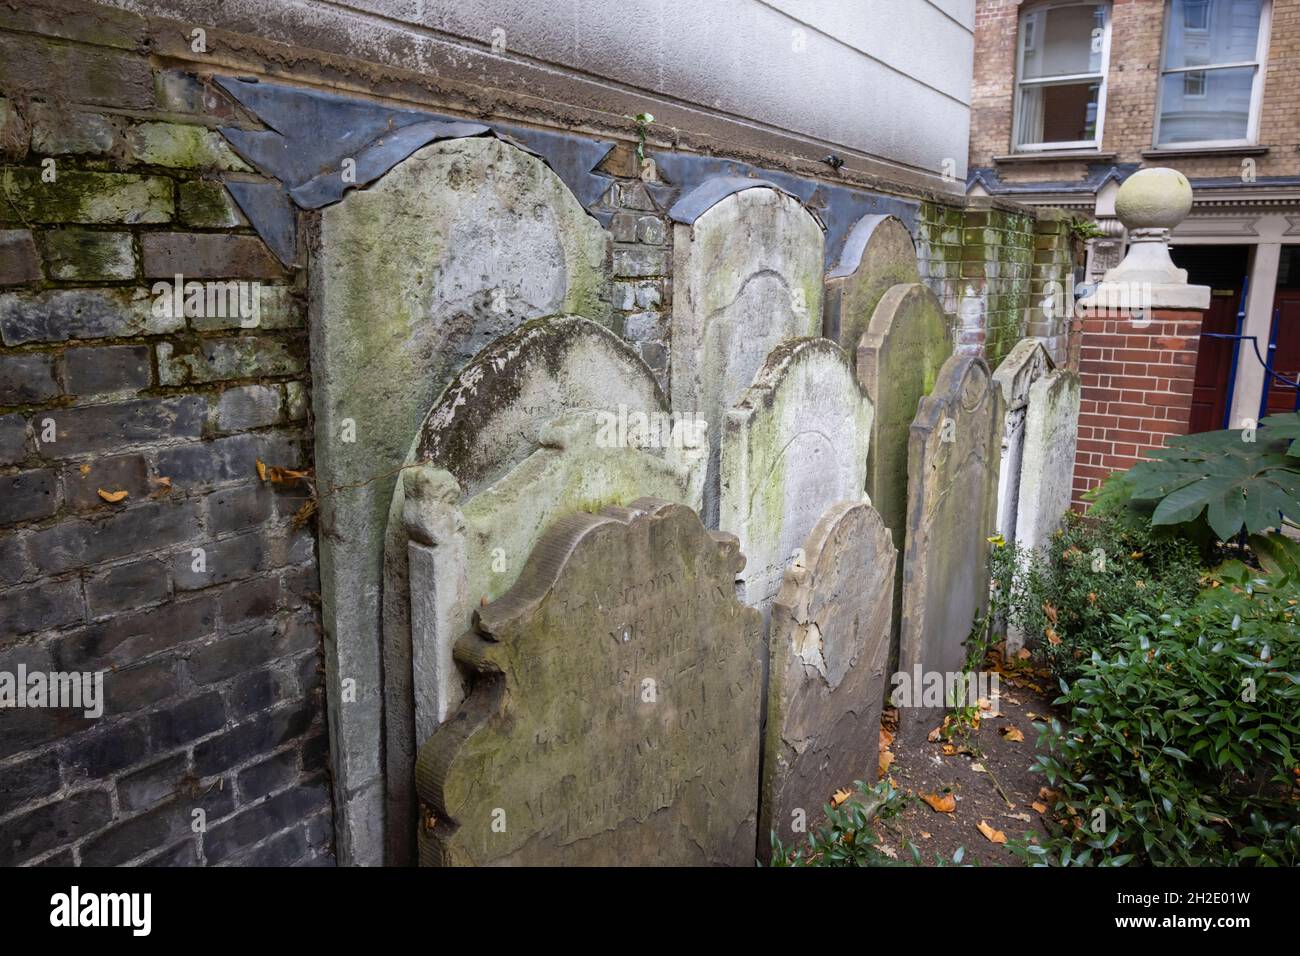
588	660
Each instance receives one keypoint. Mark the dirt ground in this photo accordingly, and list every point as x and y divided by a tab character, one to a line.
966	770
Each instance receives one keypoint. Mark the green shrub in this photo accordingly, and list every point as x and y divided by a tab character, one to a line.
1095	568
848	836
1182	745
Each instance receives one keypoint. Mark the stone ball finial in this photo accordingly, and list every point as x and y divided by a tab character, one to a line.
1156	198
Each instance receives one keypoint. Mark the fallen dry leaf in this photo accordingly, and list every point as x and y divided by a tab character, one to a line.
1019	816
1023	654
164	487
935	734
1052	637
886	739
1040	807
112	497
949	750
886	758
840	796
977	767
946	803
84	469
304	513
1012	734
1048	794
990	834
1050	612
280	476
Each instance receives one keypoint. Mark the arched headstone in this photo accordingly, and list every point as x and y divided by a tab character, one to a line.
559	416
747	275
954	454
827	656
794	444
878	254
457	244
898	362
614	713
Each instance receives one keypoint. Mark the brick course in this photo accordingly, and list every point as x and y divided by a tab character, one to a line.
196	593
1136	390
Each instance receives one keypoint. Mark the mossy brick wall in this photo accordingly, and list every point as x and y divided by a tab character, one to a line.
212	672
989	265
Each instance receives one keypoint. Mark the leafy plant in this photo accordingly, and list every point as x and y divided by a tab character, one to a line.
1182	744
1239	479
849	836
1085	229
1095	568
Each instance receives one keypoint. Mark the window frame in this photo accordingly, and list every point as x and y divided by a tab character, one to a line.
1102	76
1260	64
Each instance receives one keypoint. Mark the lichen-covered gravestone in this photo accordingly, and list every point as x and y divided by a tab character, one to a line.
1046	479
410	277
1025	364
878	254
827	656
747	275
898	362
614	712
794	444
954	454
559	416
1047	464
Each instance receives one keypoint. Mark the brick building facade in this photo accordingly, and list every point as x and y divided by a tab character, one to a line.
1069	99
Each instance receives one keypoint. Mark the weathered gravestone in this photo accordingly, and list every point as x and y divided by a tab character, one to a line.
794	444
747	275
828	652
1047	465
952	502
898	362
877	255
410	277
558	416
1025	364
614	709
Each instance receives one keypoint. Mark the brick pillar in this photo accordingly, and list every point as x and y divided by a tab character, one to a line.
1136	390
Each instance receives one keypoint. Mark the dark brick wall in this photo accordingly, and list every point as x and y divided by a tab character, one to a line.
211	671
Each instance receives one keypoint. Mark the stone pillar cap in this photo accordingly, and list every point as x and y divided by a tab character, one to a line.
1150	203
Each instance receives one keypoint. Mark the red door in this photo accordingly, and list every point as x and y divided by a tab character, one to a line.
1213	361
1286	360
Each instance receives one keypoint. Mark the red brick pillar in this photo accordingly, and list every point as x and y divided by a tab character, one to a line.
1136	382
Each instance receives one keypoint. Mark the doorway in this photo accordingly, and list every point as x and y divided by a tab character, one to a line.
1224	270
1286	328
